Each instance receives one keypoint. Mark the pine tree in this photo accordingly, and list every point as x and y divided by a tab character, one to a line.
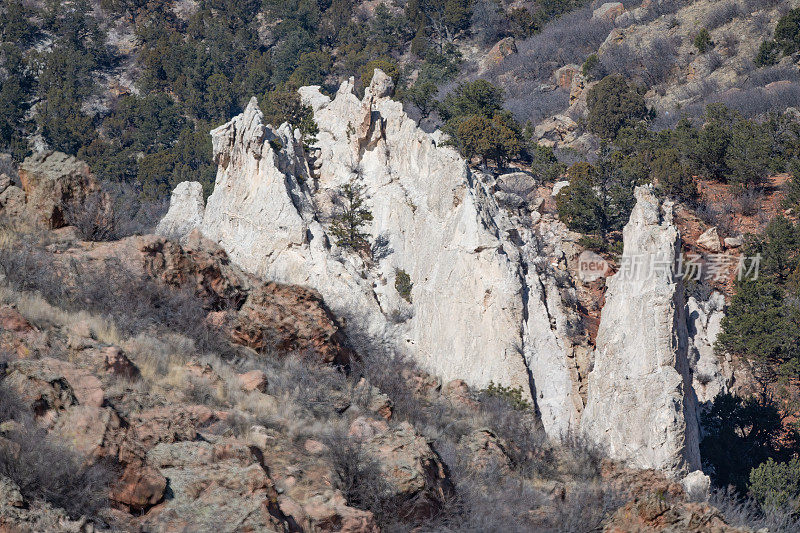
352	215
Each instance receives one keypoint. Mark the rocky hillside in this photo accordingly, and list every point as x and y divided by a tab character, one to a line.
154	385
438	266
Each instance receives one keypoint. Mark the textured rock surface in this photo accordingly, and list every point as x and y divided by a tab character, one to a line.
641	405
60	188
185	213
711	373
483	306
253	313
710	240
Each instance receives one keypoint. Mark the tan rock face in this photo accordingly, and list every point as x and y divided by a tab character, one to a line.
139	488
291	319
58	186
502	49
253	313
564	76
214	486
710	240
641	406
412	468
255	380
609	11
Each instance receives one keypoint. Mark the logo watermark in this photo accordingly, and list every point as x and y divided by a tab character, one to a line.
715	267
592	266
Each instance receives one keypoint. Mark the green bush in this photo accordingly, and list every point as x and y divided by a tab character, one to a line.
777	485
768	54
511	395
740	434
599	198
613	104
703	42
388	67
351	216
497	138
672	178
402	283
479	97
787	32
590	66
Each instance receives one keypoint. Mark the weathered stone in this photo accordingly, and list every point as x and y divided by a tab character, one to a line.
711	373
115	362
502	49
255	380
563	77
139	488
411	467
734	242
697	485
185	213
556	129
11	320
641	406
212	486
470	264
609	11
558	187
59	186
709	240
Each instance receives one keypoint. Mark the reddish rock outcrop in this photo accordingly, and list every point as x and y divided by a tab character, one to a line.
58	188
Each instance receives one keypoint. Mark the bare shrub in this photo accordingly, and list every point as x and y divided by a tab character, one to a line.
361	481
756	5
729	43
134	214
761	23
713	60
585	509
580	458
618	59
46	470
489	22
568	39
659	61
11	406
541	106
759	101
91	218
201	391
749	202
721	14
741	511
133	302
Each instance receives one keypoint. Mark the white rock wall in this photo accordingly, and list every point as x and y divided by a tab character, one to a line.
480	308
641	406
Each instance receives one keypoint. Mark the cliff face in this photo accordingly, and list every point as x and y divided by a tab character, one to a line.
483	306
641	404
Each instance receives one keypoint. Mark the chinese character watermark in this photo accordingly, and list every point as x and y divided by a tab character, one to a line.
692	266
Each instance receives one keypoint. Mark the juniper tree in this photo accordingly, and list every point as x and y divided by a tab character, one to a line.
347	224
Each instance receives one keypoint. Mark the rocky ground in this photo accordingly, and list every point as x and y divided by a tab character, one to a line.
201	398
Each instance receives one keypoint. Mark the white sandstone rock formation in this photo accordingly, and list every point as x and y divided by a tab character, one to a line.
483	304
185	211
711	373
641	406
